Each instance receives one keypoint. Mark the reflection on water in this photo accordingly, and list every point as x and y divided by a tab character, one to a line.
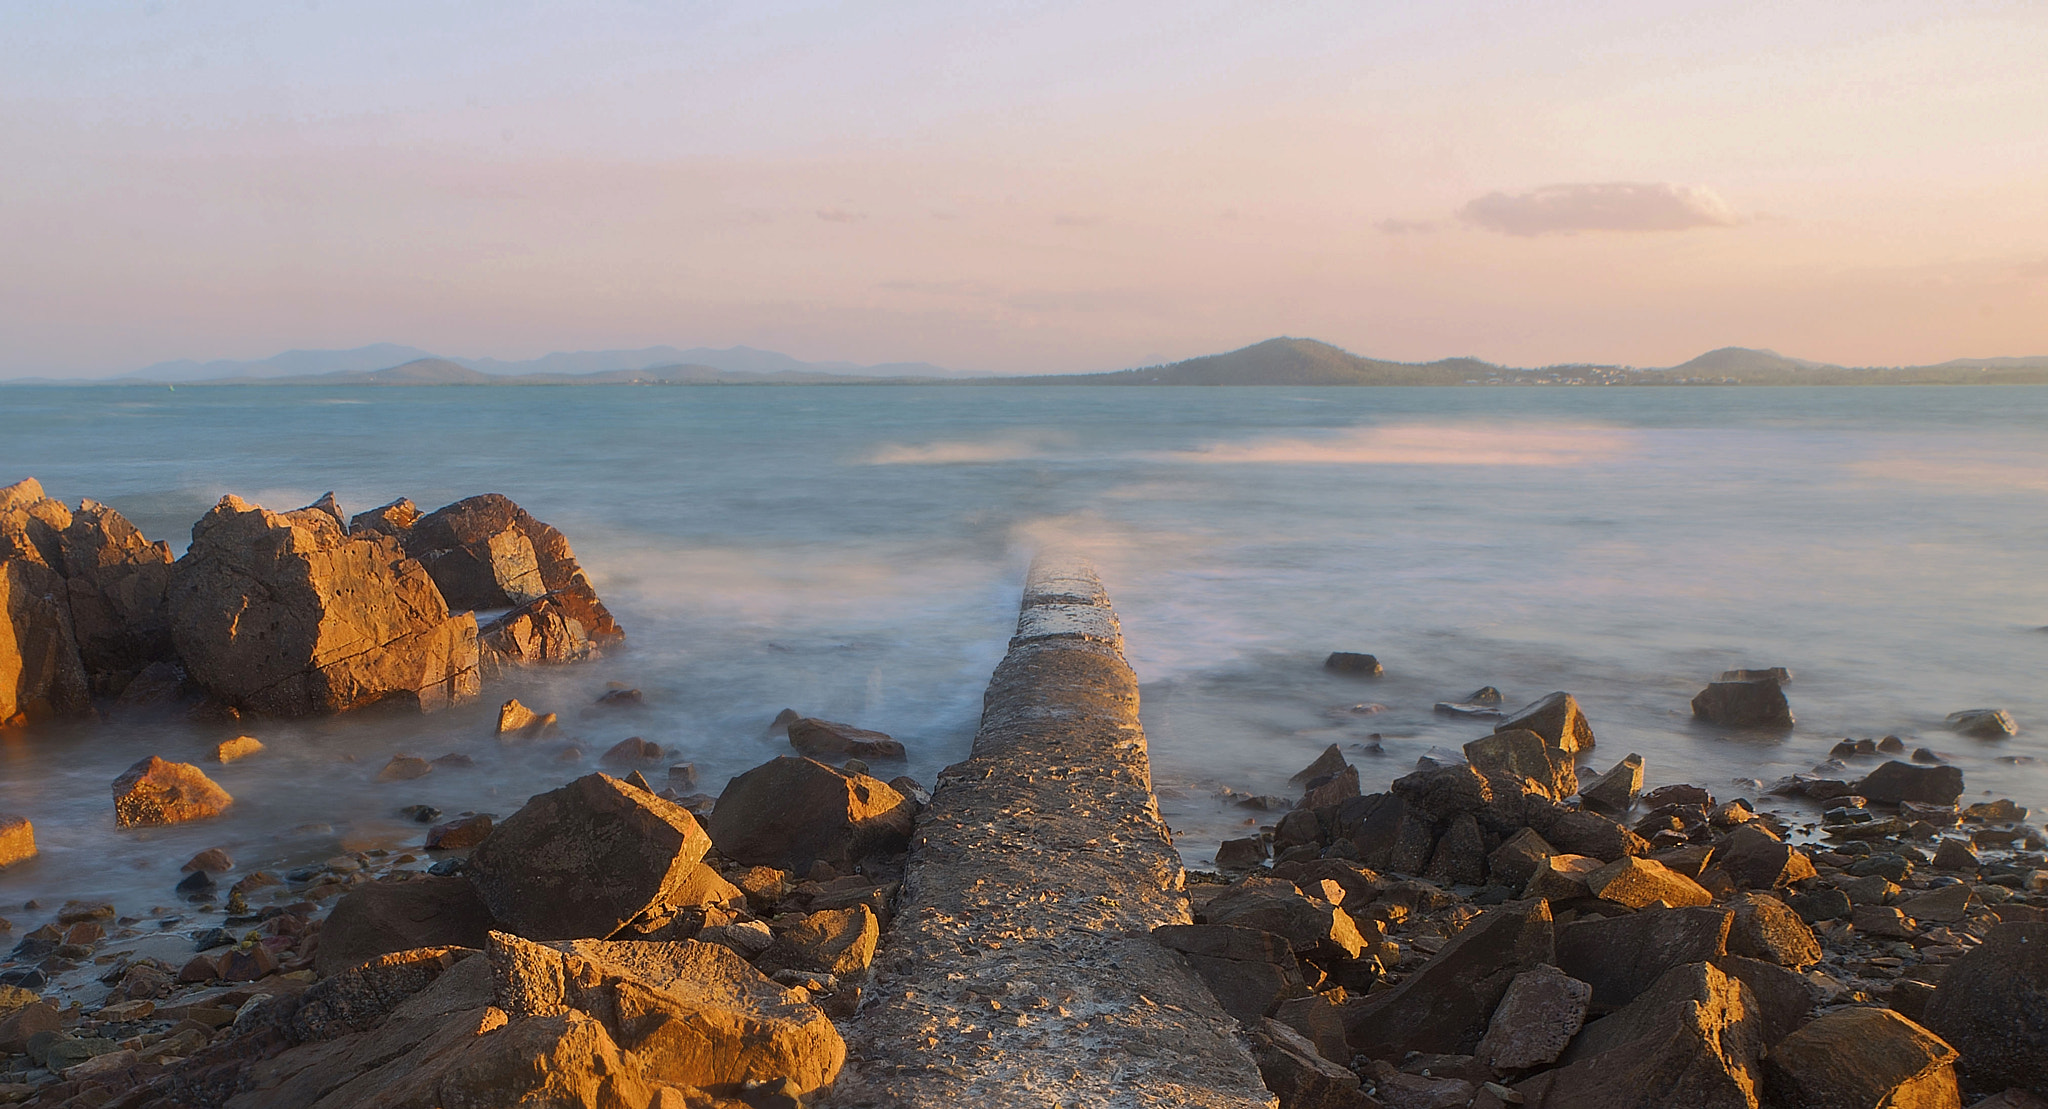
855	553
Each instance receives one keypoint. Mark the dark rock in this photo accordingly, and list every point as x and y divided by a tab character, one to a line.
1782	994
1992	1005
460	833
1617	790
1524	760
1883	921
1557	719
622	699
1234	855
1983	723
1515	861
1331	789
1540	1013
1691	1040
1766	928
1578	832
486	552
1862	1056
393	519
1329	762
1387	836
1357	665
377	918
1460	856
1441	793
1638	883
1310	926
1250	971
1446	1004
1752	704
1678	793
197	886
1900	781
1816	905
1299	1075
1622	956
359	997
585	859
403	768
791	812
1562	878
823	738
632	751
1755	859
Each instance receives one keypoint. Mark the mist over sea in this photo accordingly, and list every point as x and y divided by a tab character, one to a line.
855	553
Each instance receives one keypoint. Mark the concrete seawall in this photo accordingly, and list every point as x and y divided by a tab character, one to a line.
1020	970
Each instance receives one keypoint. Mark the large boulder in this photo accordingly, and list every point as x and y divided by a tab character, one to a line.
1983	723
1766	928
1523	760
1298	1074
1557	719
17	839
1751	704
1617	789
1311	926
822	738
486	552
118	584
1250	972
540	630
287	615
792	812
40	674
377	918
1387	833
157	792
1638	883
1992	1006
587	859
1693	1040
1445	1006
359	997
1541	1012
1578	832
692	1014
1897	781
1859	1057
1753	858
1621	956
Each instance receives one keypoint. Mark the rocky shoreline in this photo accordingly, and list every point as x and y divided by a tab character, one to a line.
1501	926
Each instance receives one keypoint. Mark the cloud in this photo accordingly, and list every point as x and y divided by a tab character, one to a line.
1408	226
1430	445
1609	206
840	215
956	452
1069	219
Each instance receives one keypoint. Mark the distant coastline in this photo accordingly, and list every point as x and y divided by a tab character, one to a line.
1275	362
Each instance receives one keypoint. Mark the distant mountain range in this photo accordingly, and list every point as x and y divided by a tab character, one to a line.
1284	361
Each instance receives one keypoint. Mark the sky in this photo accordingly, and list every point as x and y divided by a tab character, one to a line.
1023	187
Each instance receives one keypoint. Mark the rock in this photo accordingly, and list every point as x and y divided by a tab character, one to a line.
157	792
1518	859
1783	996
393	519
792	812
1319	1018
462	832
695	1013
633	750
1617	789
1765	928
1578	832
1234	856
1753	858
359	998
246	964
839	942
1445	1006
516	719
1357	665
17	839
2014	1098
1750	704
1678	793
1955	854
1862	1057
1992	1005
1557	719
1422	1089
1692	1040
1562	878
1460	856
40	673
404	768
541	630
486	552
240	747
1332	789
286	615
586	859
1816	905
377	918
1386	834
26	1021
117	583
1983	723
1541	1012
1882	920
1622	956
1637	883
1298	1074
826	738
1946	905
1443	792
1522	758
1248	970
1310	926
1902	781
1771	674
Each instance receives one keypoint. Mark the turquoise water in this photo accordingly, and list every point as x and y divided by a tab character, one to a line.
855	553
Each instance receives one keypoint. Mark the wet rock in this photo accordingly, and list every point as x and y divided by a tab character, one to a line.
1235	856
585	859
1540	1013
1883	921
632	751
792	812
1693	1039
1351	663
1766	928
1250	971
1769	674
198	886
40	674
246	964
240	747
1523	759
1517	859
1331	789
157	792
1298	1074
516	719
1309	925
1617	790
1816	905
286	615
1562	877
1901	781
1946	905
1862	1057
1460	856
486	552
1753	858
1637	883
1983	723
839	942
1557	719
378	918
462	832
695	1013
1992	1005
26	1021
1446	1005
1622	956
1750	704
1578	832
1473	709
17	839
826	738
404	768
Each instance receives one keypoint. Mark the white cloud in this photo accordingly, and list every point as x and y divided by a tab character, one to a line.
1606	206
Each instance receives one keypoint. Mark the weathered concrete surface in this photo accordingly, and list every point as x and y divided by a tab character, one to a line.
1020	970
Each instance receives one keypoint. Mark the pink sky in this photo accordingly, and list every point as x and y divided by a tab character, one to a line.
1057	187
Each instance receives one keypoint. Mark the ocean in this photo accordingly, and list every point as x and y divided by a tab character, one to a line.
855	553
